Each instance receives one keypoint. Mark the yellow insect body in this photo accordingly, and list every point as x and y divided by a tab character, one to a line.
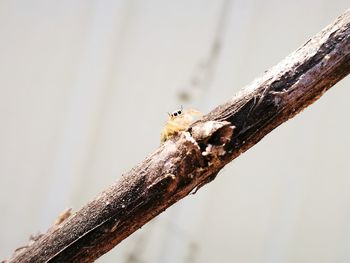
178	121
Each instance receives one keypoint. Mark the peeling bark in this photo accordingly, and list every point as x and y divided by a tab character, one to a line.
193	158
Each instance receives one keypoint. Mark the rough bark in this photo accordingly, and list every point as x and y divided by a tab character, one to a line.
195	157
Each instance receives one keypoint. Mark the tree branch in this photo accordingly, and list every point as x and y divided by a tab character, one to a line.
194	157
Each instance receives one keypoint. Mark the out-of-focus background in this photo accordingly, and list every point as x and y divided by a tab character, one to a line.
85	87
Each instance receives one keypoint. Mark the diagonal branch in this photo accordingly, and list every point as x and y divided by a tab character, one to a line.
194	157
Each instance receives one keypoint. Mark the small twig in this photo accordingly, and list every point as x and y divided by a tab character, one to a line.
194	157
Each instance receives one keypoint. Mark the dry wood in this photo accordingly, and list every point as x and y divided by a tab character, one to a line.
193	158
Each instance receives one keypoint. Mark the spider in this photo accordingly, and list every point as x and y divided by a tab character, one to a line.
178	121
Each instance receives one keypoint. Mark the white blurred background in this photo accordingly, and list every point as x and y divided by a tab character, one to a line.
84	91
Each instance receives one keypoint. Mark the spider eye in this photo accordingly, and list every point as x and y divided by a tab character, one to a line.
179	112
175	113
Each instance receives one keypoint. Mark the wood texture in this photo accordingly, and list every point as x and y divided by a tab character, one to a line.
193	158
